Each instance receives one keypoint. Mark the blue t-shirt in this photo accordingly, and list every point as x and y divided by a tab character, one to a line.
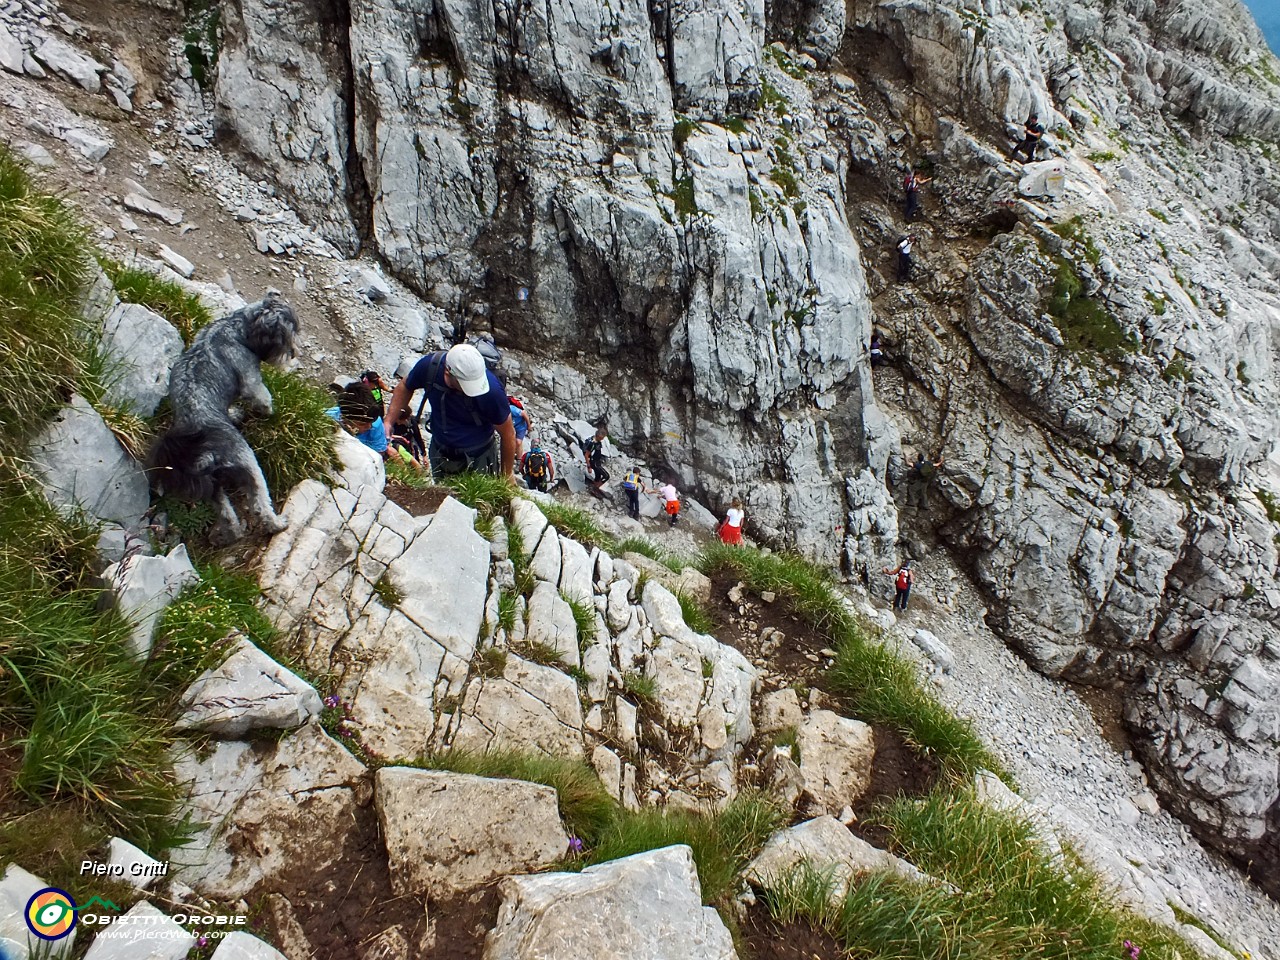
452	424
375	438
519	421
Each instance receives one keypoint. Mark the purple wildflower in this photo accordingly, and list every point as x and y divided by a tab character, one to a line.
202	940
332	700
575	845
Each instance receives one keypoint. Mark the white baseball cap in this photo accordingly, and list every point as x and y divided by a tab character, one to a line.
466	365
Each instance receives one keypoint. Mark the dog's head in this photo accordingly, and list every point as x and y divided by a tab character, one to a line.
270	328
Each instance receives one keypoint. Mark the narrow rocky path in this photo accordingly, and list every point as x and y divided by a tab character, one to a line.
1064	763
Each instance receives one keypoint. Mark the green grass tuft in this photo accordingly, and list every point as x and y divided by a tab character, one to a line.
406	476
298	441
488	495
695	614
640	687
184	310
584	618
44	265
577	525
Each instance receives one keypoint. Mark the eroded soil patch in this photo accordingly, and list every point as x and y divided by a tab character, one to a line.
342	909
766	939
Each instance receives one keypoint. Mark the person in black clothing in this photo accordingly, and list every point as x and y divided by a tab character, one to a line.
593	454
1034	132
904	258
877	351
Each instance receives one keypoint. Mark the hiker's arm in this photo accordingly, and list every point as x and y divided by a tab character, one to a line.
399	400
507	432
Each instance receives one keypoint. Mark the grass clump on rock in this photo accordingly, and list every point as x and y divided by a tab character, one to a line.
44	267
299	440
185	310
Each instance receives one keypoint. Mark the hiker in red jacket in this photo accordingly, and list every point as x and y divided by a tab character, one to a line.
903	578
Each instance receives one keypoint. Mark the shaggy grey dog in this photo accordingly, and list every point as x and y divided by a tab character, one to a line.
203	455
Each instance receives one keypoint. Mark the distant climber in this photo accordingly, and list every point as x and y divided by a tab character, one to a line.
731	527
670	501
374	382
921	477
911	185
593	454
904	258
361	416
877	350
537	468
903	578
1033	134
407	435
521	420
633	486
471	425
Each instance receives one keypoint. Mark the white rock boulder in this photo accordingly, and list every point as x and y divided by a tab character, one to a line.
142	346
143	587
648	905
448	833
826	845
248	691
17	887
835	760
81	465
144	933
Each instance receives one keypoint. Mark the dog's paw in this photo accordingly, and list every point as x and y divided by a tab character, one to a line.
274	522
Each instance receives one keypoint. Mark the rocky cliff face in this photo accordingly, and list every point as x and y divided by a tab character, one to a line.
680	209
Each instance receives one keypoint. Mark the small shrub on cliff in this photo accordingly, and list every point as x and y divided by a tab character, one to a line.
488	495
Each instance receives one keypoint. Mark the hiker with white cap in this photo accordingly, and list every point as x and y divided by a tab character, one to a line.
469	412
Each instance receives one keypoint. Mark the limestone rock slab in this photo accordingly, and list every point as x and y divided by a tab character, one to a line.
530	707
238	945
146	933
81	464
142	346
448	833
551	623
442	578
143	586
265	810
835	759
248	691
17	887
647	905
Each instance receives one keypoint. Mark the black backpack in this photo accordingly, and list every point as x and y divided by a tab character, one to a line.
536	465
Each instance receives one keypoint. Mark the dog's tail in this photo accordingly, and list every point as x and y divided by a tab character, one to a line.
184	463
